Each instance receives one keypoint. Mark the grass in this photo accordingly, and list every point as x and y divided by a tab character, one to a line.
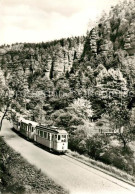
108	169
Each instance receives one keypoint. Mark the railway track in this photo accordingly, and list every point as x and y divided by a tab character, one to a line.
89	168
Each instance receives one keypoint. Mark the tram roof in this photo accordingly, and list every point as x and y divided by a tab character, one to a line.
49	128
52	129
34	124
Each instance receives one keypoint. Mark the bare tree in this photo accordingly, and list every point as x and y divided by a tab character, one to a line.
6	98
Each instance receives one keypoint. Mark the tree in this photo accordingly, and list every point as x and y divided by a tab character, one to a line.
10	94
125	136
132	119
120	119
77	141
66	119
5	98
96	145
82	107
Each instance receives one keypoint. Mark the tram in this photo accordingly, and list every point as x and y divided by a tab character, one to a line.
54	138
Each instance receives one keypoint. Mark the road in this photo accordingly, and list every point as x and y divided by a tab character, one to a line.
69	173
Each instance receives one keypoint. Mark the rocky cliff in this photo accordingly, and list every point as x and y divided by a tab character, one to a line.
102	60
50	59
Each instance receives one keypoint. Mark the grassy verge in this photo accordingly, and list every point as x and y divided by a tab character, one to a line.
19	177
103	167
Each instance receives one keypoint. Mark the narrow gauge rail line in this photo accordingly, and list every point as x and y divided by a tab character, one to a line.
70	159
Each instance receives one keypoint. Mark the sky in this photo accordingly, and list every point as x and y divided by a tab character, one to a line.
45	20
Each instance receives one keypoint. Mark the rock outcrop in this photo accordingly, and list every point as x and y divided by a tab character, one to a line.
93	41
129	45
51	61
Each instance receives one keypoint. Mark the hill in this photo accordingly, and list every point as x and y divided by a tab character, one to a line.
84	84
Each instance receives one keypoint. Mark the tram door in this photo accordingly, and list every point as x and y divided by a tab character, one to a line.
50	139
18	127
35	134
53	141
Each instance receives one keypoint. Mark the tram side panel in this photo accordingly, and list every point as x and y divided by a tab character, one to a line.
31	132
52	141
43	138
15	125
24	129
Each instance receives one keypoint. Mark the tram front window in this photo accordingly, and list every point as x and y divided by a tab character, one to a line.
64	139
59	137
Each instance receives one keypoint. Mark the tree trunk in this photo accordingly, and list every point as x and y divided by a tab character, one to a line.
3	117
123	141
124	144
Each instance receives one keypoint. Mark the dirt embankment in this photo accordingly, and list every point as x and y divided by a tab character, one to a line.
19	177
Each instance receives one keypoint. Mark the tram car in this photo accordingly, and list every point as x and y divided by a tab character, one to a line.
50	136
16	125
25	127
28	128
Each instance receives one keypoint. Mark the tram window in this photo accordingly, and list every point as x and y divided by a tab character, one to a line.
41	133
58	137
49	137
45	134
64	138
52	137
32	129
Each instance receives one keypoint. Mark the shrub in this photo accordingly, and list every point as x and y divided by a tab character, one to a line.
96	145
120	158
77	142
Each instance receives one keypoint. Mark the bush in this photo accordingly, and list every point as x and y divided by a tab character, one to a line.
77	142
96	145
120	158
7	182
